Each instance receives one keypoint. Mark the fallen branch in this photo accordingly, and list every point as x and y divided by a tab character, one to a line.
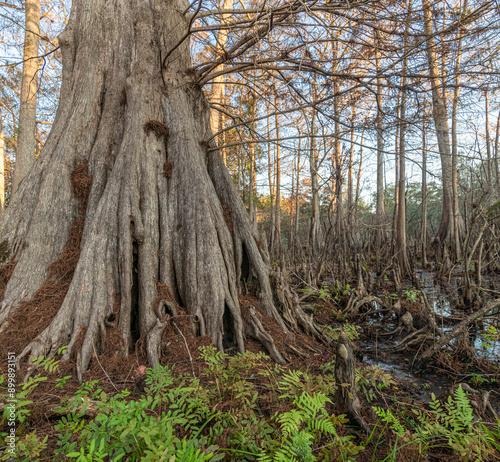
459	329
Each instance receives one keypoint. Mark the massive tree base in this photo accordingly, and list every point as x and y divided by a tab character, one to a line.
139	215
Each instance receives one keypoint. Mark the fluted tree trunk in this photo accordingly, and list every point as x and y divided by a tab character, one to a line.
128	163
25	152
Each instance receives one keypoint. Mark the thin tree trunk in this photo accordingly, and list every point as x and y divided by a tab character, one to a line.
401	243
423	232
350	178
2	167
447	227
497	154
253	168
396	180
315	230
218	85
457	220
380	215
358	180
25	152
297	196
270	175
253	189
276	243
489	163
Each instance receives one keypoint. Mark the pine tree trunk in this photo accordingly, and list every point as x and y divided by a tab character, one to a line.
25	152
127	168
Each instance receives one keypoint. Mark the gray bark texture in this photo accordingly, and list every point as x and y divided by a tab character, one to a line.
25	152
451	220
161	207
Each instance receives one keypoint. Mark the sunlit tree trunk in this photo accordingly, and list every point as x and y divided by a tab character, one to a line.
270	176
380	207
423	228
497	154
276	235
218	85
360	168
447	229
2	167
401	241
315	229
457	219
25	152
489	163
396	165
350	179
128	185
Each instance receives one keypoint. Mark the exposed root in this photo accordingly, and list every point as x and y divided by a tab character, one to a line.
480	402
291	310
459	329
256	330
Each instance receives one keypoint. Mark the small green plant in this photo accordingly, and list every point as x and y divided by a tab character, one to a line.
477	380
369	379
308	422
338	291
351	330
489	336
411	294
452	424
146	429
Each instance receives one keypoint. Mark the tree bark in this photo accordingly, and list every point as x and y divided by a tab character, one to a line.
423	228
25	152
489	163
2	167
401	244
350	183
497	154
447	228
276	226
315	229
346	398
218	86
161	209
454	140
380	215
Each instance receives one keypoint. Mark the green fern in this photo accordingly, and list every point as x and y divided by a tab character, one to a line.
452	424
385	415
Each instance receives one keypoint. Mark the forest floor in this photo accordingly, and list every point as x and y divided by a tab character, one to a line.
228	407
